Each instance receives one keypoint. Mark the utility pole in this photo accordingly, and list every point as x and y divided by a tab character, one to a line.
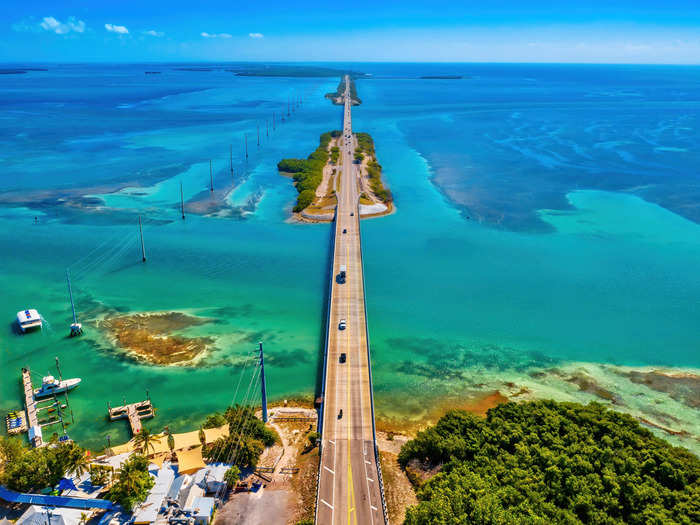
143	247
263	388
182	202
211	177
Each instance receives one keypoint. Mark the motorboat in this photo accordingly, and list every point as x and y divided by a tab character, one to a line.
50	386
28	320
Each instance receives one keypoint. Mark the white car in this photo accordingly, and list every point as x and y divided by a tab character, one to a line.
341	325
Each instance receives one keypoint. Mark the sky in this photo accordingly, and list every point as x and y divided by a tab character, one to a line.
611	31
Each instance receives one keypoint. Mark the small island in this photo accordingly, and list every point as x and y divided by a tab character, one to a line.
316	179
337	96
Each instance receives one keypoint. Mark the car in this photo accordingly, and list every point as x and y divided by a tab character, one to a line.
341	325
345	230
343	357
352	214
340	414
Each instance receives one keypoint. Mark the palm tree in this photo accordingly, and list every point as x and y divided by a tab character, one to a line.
145	440
202	436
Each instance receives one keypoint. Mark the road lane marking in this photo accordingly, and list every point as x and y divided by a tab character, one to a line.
326	503
370	479
373	507
368	462
331	442
329	470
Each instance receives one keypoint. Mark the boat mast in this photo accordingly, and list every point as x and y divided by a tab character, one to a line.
182	202
273	121
70	294
230	154
245	136
258	127
211	177
143	248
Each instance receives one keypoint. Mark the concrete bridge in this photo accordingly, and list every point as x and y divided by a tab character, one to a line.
350	488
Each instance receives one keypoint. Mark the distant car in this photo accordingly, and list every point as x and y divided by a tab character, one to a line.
341	325
352	214
340	414
345	230
343	357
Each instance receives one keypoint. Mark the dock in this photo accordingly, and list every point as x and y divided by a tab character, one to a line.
35	437
134	412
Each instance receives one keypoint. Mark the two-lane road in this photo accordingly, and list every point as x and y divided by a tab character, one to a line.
349	490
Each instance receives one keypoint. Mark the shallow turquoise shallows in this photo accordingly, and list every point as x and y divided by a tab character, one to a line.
545	220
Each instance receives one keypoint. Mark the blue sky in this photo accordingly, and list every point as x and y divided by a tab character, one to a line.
626	31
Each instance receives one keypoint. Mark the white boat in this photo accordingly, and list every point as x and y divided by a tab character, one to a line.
28	319
50	386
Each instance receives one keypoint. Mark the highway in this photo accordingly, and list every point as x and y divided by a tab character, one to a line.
349	489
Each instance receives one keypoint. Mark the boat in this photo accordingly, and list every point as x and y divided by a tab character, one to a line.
50	386
28	319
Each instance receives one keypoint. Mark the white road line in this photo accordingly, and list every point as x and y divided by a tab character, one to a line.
331	442
368	462
373	507
329	470
370	479
328	504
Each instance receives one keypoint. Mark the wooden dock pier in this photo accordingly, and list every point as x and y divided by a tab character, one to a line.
135	412
35	437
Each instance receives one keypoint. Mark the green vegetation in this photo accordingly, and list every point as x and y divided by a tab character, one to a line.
101	474
335	154
232	476
264	70
32	470
247	439
145	441
308	173
365	147
341	89
215	420
547	462
133	483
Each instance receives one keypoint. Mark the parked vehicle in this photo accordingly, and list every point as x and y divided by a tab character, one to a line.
343	357
341	325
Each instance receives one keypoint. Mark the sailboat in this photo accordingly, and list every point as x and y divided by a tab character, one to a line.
76	328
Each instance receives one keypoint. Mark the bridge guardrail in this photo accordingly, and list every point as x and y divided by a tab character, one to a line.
369	366
325	365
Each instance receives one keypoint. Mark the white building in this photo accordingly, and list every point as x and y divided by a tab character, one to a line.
38	515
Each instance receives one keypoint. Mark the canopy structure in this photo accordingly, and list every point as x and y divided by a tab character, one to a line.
212	434
182	441
190	461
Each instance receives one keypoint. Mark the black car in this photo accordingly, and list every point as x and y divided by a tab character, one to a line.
343	357
345	230
352	213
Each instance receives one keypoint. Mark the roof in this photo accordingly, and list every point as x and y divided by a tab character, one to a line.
190	461
54	501
28	315
203	507
147	512
38	515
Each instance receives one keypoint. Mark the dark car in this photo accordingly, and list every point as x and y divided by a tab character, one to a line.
340	414
343	357
345	230
352	213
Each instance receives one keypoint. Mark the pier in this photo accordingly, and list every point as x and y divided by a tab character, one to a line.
135	412
35	437
350	488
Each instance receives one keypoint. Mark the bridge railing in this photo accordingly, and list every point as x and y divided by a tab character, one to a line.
369	366
325	365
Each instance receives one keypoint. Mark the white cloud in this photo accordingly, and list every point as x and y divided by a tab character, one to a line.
153	32
256	35
215	35
116	29
49	23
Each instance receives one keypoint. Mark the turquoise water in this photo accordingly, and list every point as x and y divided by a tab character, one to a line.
530	234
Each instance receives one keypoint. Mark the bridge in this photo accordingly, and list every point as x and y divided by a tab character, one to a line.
350	489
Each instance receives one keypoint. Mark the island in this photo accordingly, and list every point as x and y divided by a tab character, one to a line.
337	96
316	178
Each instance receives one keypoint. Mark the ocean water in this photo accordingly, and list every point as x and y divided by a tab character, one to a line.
546	231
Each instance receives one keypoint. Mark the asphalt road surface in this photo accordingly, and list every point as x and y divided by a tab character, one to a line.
349	491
